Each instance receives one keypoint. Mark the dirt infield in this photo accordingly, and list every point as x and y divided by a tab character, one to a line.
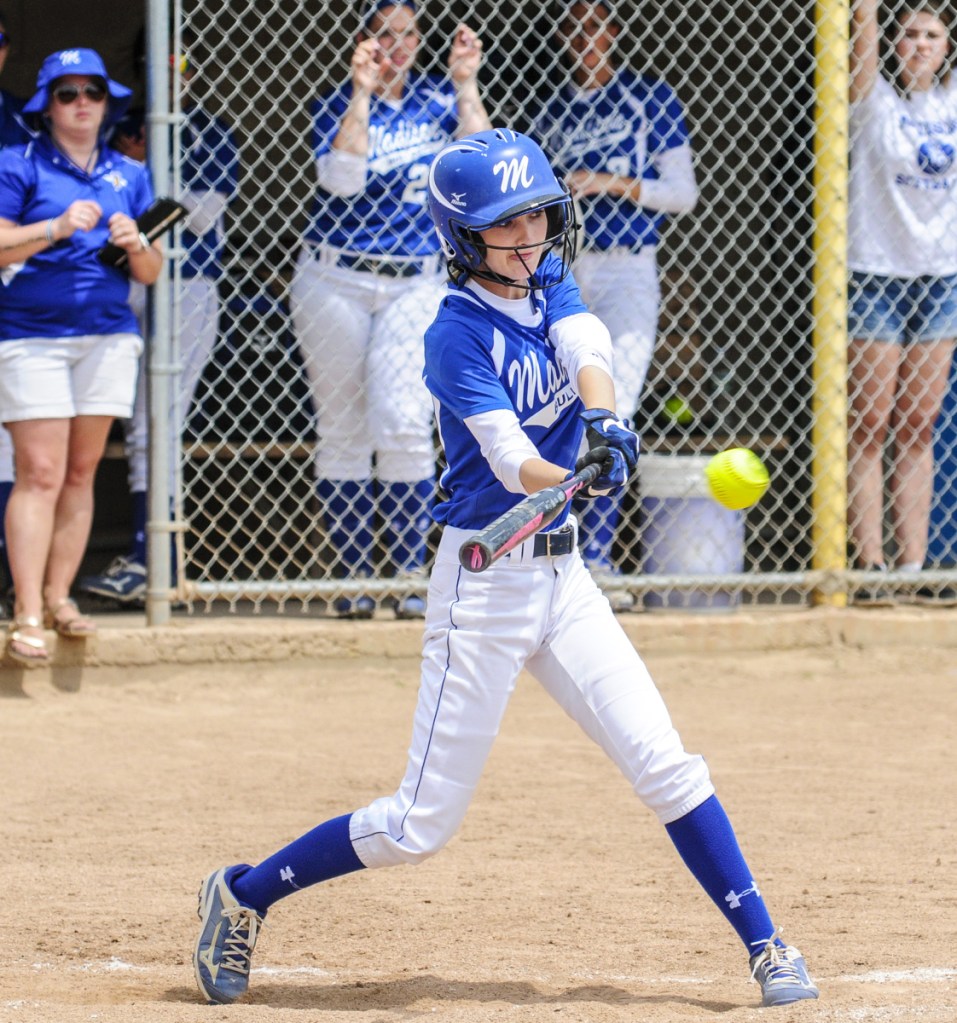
560	899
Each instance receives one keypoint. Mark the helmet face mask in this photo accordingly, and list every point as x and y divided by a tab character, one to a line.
486	180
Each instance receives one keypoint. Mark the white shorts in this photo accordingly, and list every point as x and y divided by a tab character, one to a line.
63	377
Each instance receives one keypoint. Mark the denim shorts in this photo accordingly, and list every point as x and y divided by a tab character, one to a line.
901	309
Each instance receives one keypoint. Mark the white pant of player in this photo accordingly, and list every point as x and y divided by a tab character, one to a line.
622	289
361	340
199	323
6	456
545	615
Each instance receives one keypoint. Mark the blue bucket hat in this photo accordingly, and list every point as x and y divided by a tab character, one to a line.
77	62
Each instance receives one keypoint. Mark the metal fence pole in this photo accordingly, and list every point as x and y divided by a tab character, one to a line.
159	360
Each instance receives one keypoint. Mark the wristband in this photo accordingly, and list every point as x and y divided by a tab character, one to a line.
49	232
144	242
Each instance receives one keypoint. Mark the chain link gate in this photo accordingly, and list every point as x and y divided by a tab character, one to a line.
737	345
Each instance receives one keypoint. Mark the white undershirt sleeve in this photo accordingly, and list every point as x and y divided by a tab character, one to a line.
582	340
675	190
341	173
504	444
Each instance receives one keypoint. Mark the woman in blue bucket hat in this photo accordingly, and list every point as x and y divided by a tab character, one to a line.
69	342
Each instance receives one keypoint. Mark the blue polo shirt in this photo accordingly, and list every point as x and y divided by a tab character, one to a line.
64	290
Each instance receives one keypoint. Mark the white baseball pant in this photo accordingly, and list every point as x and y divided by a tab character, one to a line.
361	337
6	456
192	348
546	615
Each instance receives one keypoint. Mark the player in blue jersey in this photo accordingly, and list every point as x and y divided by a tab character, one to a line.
621	141
69	342
209	176
12	132
520	373
368	284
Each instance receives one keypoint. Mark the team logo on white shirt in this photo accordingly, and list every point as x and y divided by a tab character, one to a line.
935	156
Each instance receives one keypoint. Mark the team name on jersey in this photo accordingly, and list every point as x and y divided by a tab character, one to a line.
396	145
603	131
921	127
543	389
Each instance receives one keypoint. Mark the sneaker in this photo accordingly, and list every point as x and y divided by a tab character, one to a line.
621	600
876	594
124	581
782	974
354	607
227	938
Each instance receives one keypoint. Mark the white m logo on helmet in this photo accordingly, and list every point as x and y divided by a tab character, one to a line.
514	173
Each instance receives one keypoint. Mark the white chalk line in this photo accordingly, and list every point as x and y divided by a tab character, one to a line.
919	975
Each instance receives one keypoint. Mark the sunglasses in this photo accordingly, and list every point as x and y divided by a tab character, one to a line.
66	94
4	40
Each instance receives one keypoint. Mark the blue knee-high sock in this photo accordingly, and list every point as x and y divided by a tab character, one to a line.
320	854
348	509
707	843
138	549
406	516
6	486
597	525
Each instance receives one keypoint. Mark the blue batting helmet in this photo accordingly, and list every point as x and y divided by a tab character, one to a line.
489	178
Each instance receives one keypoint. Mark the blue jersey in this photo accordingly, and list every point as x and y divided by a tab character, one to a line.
619	129
12	130
210	163
478	359
65	291
389	216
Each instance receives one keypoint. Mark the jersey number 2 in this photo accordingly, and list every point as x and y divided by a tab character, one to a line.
415	190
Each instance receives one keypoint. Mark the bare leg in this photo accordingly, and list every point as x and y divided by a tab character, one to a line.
73	515
923	383
872	381
40	455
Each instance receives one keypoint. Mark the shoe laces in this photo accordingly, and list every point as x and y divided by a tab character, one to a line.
777	961
240	939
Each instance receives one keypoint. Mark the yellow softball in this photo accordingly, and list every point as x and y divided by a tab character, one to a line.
737	478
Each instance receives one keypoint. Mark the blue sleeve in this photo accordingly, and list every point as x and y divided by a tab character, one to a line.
668	127
15	184
459	371
327	116
213	163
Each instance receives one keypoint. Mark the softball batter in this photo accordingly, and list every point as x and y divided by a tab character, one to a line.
369	283
519	371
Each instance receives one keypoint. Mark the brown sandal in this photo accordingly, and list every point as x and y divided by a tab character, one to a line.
77	626
20	645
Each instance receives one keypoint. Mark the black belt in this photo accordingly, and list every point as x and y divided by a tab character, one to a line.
554	544
379	265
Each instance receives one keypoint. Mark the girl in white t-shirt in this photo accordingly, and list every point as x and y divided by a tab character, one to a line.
903	279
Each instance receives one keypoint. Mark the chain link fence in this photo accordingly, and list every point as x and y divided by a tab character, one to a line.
737	335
